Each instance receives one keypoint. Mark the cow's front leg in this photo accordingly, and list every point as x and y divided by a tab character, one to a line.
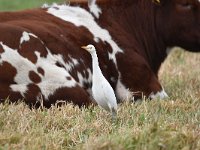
136	79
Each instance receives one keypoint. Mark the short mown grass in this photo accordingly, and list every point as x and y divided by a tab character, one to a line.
170	124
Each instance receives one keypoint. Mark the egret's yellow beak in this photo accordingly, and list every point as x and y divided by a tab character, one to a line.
84	47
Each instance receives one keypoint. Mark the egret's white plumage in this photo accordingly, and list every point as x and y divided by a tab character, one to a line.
101	89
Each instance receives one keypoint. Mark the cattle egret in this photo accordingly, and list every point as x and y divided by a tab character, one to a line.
101	89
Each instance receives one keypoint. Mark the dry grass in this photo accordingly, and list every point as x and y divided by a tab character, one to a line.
150	125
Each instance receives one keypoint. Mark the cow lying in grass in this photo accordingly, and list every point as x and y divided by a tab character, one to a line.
41	56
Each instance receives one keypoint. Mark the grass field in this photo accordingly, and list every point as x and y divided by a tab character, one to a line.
171	124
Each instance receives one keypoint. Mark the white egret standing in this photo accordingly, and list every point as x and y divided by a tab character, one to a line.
102	91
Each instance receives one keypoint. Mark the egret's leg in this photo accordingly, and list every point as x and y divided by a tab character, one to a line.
114	113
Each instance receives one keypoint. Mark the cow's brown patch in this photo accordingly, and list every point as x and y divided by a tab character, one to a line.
7	73
87	85
59	65
34	77
32	94
69	78
77	95
40	70
10	34
1	49
28	49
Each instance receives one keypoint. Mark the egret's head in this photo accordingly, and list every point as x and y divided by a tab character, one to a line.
90	48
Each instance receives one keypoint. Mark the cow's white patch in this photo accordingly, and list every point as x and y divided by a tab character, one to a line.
33	35
80	17
22	88
45	5
96	40
161	95
122	93
54	77
22	65
26	37
83	80
72	62
94	8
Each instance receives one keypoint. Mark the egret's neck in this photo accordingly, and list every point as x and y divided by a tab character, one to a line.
95	64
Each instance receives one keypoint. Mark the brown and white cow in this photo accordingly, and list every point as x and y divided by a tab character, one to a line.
41	55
